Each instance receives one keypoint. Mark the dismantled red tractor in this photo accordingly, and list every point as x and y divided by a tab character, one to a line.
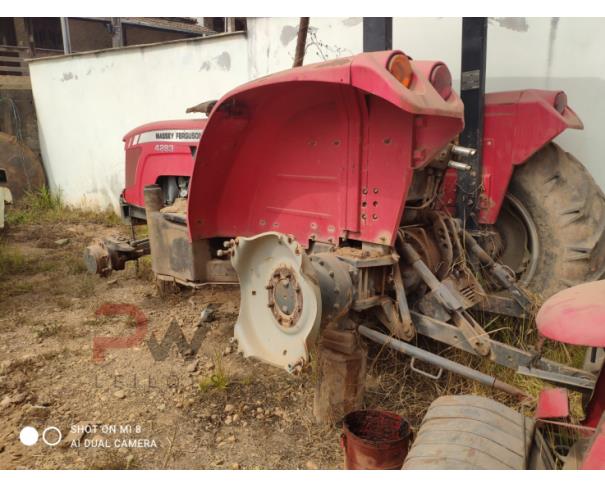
328	191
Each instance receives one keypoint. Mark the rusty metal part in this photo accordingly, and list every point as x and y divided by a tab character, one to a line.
405	327
96	258
523	362
425	246
341	373
375	440
335	284
172	252
444	243
440	362
498	271
23	168
450	299
501	305
108	254
285	297
371	271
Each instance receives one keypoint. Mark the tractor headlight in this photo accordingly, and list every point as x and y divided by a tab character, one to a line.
400	67
441	79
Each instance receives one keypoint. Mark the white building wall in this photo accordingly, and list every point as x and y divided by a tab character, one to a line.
87	102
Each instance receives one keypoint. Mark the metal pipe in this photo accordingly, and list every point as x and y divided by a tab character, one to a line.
441	362
497	270
301	42
65	35
459	166
463	151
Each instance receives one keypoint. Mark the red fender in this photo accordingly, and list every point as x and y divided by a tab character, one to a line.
516	125
322	152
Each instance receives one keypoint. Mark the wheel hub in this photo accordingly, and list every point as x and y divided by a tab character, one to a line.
285	297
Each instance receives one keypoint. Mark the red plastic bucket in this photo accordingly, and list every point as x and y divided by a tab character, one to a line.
375	440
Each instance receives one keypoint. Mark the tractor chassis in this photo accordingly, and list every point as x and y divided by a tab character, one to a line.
524	362
360	283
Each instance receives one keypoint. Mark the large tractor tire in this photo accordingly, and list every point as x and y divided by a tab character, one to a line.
21	168
471	433
553	223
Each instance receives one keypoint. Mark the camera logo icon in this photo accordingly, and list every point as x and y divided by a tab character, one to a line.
51	436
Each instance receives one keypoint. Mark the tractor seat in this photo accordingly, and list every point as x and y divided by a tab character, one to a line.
575	315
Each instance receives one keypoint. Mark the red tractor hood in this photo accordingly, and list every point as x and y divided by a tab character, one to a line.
188	124
322	152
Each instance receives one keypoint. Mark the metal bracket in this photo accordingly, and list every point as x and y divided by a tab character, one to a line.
507	355
436	376
470	329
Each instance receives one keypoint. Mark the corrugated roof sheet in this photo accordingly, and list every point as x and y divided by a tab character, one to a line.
183	25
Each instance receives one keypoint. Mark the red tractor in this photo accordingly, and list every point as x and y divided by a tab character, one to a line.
328	191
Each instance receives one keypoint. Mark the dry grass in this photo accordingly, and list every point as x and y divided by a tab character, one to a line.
42	206
46	329
13	262
393	385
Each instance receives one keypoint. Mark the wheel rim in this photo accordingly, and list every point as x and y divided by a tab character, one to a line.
280	300
521	244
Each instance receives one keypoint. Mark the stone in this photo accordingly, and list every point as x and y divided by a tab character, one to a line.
229	408
119	394
206	315
310	465
62	241
192	367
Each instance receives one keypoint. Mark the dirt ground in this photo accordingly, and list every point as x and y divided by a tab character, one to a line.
212	410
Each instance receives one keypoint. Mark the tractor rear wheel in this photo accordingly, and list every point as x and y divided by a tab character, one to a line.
553	223
471	433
